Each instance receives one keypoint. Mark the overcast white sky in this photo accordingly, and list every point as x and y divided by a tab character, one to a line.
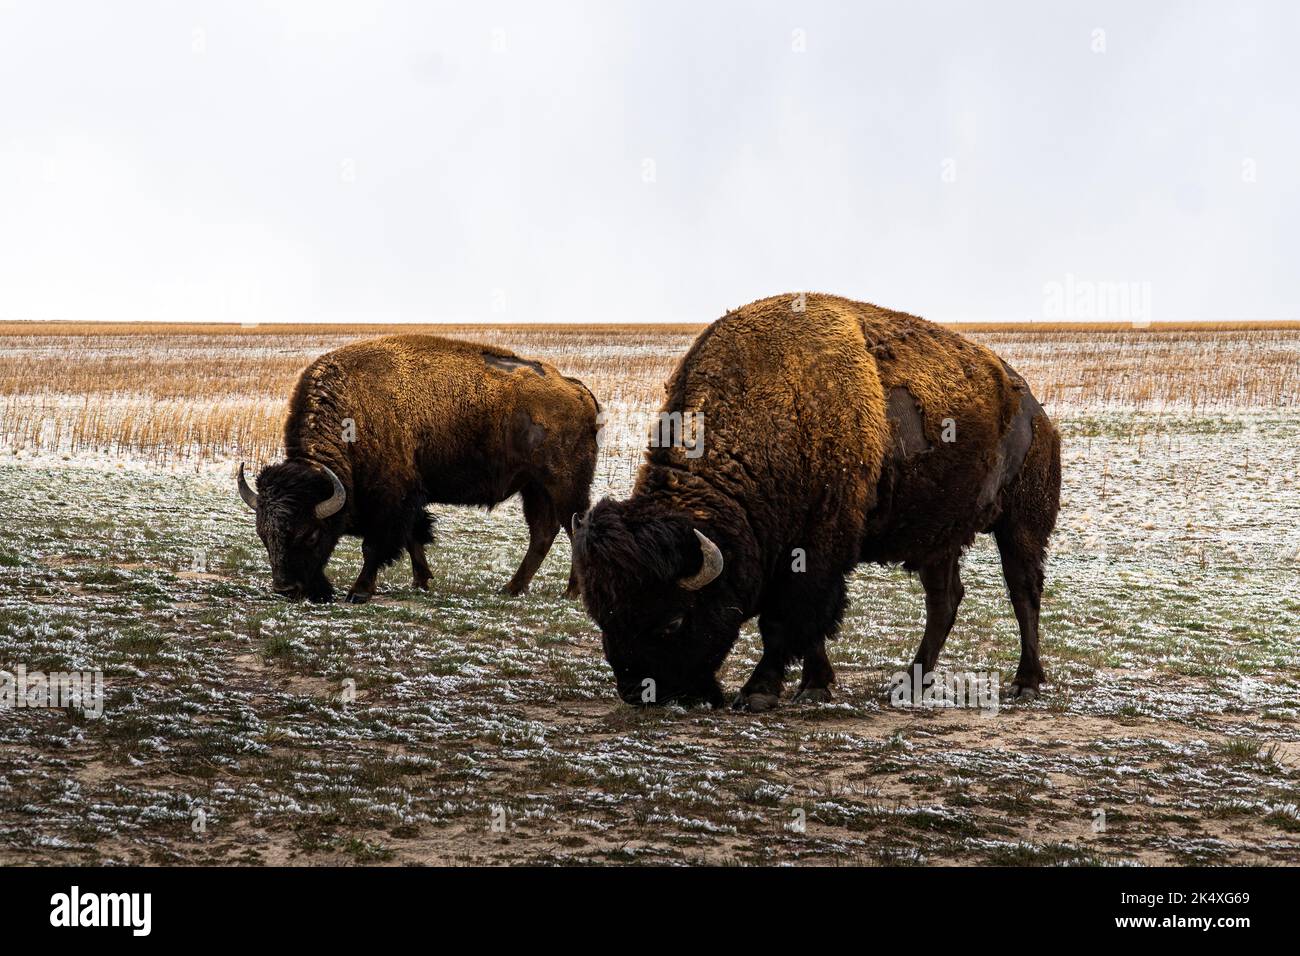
628	161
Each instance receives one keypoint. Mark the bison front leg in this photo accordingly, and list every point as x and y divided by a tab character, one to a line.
818	675
763	689
364	588
796	625
542	528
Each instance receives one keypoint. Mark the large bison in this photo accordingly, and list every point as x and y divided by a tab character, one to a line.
378	429
834	432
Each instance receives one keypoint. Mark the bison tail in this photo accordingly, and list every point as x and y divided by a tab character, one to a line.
1034	498
422	526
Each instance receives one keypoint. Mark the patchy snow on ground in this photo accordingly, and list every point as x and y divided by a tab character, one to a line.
465	726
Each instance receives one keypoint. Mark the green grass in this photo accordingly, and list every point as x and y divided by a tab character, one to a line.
1174	661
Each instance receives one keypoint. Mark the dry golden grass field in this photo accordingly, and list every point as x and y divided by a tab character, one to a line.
463	726
176	393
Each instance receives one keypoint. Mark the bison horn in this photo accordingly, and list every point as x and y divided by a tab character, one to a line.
709	570
335	501
245	492
575	522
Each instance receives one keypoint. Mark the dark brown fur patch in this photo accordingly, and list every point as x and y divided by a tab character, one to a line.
908	428
509	363
1015	444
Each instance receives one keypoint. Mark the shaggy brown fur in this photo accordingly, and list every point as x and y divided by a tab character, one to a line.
408	420
833	435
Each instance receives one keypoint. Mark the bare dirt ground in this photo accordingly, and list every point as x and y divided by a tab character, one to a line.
462	726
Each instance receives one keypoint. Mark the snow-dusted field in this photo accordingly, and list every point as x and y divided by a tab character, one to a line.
465	726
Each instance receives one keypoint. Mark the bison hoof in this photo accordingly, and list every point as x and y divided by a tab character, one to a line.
514	590
422	585
813	695
357	597
1022	693
755	702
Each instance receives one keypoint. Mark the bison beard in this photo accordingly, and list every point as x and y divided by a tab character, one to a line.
835	433
380	429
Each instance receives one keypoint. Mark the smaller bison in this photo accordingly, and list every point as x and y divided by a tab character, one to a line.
834	432
379	429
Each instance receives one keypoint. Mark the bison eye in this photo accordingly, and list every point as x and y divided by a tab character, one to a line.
673	626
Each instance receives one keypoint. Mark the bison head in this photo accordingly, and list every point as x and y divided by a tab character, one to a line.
648	579
294	502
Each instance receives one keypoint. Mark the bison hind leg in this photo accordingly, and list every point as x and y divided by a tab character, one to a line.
1022	565
1022	532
